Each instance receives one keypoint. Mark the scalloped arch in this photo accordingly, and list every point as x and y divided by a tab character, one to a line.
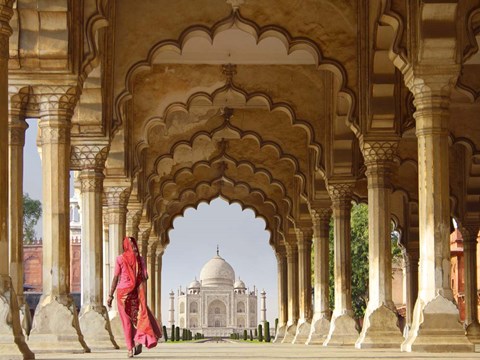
235	20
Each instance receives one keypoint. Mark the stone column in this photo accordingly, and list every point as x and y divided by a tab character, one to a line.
304	239
470	235
158	284
144	230
380	325
134	215
342	328
107	280
12	341
55	325
16	141
93	317
117	199
282	295
436	325
322	314
411	267
151	266
292	278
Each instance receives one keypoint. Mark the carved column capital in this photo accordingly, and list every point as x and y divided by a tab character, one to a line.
56	101
341	193
431	87
469	232
378	151
117	196
133	220
304	236
292	252
89	156
16	131
321	216
91	181
6	13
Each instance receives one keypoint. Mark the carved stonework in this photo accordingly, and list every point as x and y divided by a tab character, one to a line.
91	183
56	99
6	13
133	218
304	236
16	132
341	191
235	4
117	198
60	134
292	252
379	151
321	216
89	156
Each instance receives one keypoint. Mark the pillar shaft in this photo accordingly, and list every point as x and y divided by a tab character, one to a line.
152	274
93	316
282	295
292	281
158	286
435	313
16	127
470	236
380	322
342	327
12	341
411	265
56	304
321	317
304	271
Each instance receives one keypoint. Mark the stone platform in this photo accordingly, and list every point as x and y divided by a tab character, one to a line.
242	350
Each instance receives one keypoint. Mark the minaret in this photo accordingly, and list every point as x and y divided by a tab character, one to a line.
171	320
263	307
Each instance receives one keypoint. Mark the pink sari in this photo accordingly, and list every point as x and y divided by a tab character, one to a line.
132	303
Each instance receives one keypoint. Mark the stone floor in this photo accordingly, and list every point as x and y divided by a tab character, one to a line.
241	350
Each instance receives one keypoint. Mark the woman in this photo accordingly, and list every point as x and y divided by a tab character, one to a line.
139	325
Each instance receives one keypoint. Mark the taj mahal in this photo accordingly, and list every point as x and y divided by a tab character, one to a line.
217	304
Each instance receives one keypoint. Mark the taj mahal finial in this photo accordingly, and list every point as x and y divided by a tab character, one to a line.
218	252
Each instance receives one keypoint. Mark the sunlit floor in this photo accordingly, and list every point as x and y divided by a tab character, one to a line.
241	350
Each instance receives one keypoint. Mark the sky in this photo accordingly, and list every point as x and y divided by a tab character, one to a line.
242	239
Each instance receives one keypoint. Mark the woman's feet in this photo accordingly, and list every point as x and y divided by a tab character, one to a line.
130	353
138	349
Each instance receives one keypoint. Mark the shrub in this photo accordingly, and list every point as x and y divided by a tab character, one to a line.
177	333
173	333
267	331
260	332
251	335
165	335
245	336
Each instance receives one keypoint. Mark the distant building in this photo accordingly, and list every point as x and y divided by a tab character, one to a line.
217	305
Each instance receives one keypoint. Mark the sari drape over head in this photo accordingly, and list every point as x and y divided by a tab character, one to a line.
132	297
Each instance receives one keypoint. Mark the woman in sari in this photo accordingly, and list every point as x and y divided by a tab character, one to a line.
139	324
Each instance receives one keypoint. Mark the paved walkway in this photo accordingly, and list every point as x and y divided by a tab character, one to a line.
241	350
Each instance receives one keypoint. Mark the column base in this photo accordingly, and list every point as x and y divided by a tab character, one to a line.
117	329
319	330
55	326
342	332
95	327
26	319
380	330
289	334
12	341
473	334
280	333
302	333
436	328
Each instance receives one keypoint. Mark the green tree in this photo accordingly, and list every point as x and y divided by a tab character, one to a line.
359	253
32	211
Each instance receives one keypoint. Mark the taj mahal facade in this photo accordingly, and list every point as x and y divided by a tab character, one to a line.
217	305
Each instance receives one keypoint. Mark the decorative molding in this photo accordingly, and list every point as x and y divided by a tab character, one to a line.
89	156
321	216
56	99
16	131
379	151
341	192
91	183
6	13
117	197
60	134
235	4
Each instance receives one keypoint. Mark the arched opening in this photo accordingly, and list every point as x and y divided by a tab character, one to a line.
239	236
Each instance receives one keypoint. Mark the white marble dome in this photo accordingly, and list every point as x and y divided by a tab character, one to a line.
217	272
239	284
194	284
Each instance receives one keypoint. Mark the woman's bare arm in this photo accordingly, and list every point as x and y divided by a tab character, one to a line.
112	290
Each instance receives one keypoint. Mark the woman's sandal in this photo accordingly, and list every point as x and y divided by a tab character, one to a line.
138	349
130	353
